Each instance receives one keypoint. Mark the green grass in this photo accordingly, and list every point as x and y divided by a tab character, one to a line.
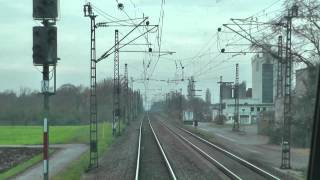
11	135
33	134
79	166
200	132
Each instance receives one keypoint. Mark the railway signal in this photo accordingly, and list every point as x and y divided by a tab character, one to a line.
45	55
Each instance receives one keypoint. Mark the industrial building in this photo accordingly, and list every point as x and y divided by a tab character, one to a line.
252	101
264	78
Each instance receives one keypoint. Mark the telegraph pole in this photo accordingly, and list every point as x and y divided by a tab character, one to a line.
134	104
138	103
180	105
236	124
220	103
286	139
131	100
126	91
191	94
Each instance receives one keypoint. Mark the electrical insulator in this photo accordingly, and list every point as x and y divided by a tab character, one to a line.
120	6
87	10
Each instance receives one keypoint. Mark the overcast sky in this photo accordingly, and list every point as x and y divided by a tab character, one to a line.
189	29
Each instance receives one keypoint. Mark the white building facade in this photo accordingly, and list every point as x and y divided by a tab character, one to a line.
264	81
249	110
264	78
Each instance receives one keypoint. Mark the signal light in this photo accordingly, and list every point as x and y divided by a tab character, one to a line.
44	45
45	9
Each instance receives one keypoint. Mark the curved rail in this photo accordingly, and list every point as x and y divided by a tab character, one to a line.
239	159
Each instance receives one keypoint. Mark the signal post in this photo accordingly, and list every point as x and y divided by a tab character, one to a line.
45	55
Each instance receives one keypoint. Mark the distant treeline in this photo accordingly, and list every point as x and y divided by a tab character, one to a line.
175	103
70	105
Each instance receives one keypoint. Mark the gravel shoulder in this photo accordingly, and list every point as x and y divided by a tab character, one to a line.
255	149
119	161
233	165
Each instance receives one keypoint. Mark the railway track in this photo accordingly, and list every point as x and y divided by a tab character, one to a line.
152	162
231	165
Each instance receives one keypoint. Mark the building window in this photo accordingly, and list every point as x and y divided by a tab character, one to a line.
252	109
264	108
258	109
267	83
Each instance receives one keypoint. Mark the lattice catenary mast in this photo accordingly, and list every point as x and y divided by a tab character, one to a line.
93	163
236	124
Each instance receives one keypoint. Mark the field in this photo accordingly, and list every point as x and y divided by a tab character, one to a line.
32	135
11	135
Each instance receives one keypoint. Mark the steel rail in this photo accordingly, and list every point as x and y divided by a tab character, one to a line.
138	156
173	176
220	166
239	159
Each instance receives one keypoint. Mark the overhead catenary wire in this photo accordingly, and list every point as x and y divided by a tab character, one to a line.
200	56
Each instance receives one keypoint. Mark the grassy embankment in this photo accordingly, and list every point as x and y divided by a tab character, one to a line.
11	135
79	166
30	135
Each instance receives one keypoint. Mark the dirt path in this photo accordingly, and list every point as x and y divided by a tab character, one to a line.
58	161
